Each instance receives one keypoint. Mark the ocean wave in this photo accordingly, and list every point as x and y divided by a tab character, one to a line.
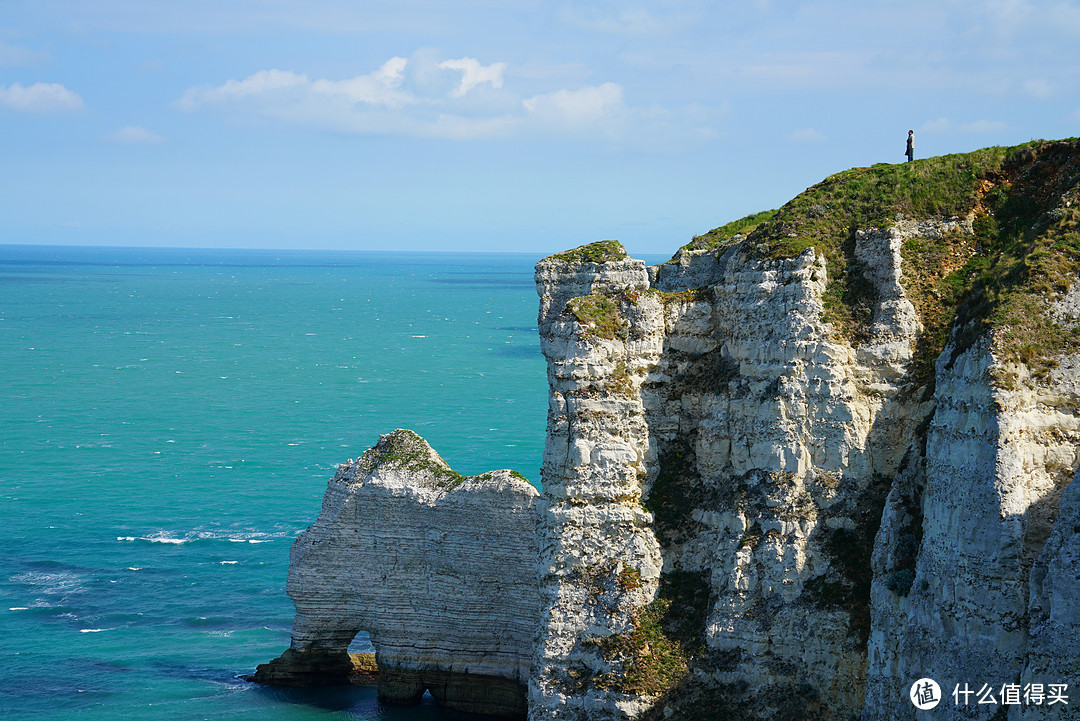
40	606
156	538
51	582
97	630
179	539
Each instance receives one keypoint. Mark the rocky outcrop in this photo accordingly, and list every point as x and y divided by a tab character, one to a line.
599	557
305	669
436	567
960	533
767	451
836	513
721	437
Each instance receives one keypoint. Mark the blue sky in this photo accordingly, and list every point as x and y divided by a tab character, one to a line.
492	125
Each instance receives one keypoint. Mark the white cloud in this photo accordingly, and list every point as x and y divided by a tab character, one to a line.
395	99
473	74
253	85
377	88
456	127
983	126
134	135
39	98
413	98
587	106
805	135
600	111
275	87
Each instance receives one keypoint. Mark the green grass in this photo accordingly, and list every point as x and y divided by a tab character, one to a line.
602	251
725	234
629	578
665	637
1024	255
825	215
1033	256
600	314
405	450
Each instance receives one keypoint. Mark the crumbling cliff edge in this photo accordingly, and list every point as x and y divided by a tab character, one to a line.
821	453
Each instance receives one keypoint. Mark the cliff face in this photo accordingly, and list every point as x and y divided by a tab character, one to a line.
960	534
722	436
839	507
436	567
820	454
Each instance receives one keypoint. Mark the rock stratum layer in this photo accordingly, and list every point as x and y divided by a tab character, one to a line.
820	454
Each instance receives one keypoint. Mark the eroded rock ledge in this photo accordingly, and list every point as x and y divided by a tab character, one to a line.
437	567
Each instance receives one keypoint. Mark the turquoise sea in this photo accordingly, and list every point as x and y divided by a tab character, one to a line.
168	421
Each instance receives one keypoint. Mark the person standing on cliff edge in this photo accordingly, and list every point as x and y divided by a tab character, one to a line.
910	152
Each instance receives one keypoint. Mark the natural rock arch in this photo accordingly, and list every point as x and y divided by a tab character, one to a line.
437	567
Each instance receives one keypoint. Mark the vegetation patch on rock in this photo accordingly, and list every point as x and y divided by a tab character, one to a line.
405	450
728	233
601	316
1024	255
676	492
1030	229
666	635
847	585
602	251
620	381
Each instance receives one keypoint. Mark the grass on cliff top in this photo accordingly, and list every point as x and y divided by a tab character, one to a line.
602	251
725	234
1025	252
825	217
826	214
406	450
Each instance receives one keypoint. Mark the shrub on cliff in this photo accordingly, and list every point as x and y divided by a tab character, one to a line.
602	251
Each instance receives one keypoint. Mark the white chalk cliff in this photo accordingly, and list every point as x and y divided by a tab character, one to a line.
777	485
